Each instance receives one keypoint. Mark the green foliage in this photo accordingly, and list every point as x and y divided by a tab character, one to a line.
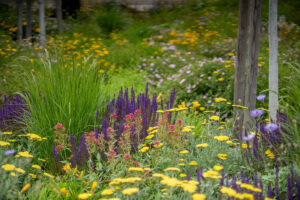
111	18
63	95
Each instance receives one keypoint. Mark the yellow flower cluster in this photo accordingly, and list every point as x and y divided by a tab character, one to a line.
221	138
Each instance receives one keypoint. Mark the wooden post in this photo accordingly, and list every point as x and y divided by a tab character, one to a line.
20	25
253	50
28	19
273	59
42	22
239	80
59	16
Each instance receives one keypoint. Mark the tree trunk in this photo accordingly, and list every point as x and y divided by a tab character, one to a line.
59	16
273	59
42	22
239	80
20	25
28	19
253	50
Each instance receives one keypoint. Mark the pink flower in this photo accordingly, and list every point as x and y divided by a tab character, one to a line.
137	112
156	142
58	147
126	127
112	154
127	156
114	116
179	121
59	126
136	163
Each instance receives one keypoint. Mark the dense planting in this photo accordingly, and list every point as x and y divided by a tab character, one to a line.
139	106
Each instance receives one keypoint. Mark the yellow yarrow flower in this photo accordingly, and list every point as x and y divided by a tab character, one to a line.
107	192
135	169
7	133
3	143
198	196
130	191
84	195
20	170
184	152
218	167
172	169
193	163
24	154
36	166
8	167
202	145
215	118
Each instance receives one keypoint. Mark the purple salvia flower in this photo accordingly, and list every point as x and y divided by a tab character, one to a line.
242	177
73	150
199	174
290	187
222	178
233	182
298	187
270	192
104	128
188	176
55	154
276	182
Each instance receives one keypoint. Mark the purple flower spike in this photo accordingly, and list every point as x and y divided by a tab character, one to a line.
256	113
271	127
261	97
270	192
290	187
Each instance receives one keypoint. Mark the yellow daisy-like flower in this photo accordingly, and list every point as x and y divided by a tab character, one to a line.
32	175
215	118
193	163
63	190
130	191
135	169
24	154
144	149
172	169
198	196
181	164
221	138
222	156
25	188
13	174
107	192
84	195
36	166
20	170
8	167
184	152
270	154
149	137
218	167
7	133
2	143
33	136
220	100
202	145
196	104
49	175
182	175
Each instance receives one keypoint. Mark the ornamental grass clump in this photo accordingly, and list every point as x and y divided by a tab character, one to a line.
69	95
